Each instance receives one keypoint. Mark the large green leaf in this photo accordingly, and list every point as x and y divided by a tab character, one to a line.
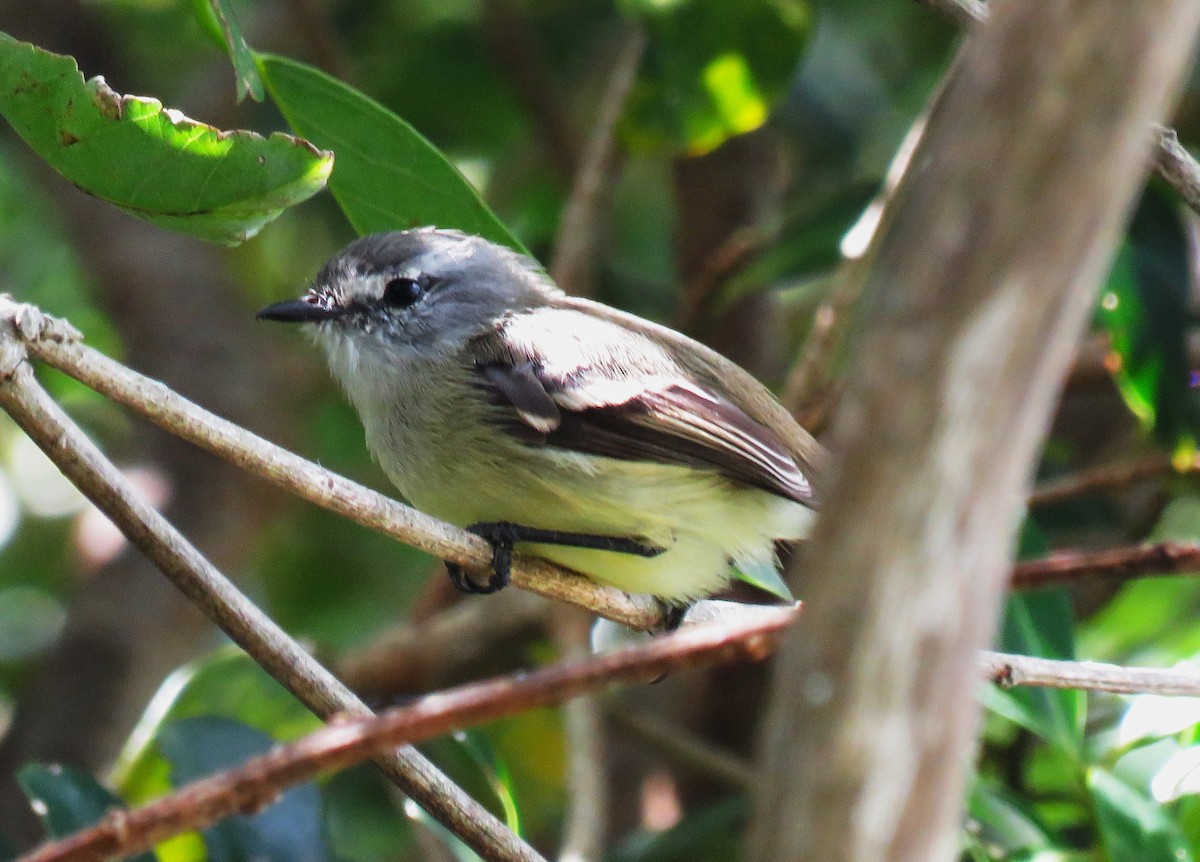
1133	827
1144	308
68	800
712	70
387	176
152	162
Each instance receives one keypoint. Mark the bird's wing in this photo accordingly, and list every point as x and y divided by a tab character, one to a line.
645	410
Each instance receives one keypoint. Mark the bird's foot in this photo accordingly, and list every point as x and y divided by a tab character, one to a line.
502	535
672	614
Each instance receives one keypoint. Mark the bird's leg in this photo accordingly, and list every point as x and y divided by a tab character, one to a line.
672	613
502	535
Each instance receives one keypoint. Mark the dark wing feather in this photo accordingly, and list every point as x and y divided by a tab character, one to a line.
680	424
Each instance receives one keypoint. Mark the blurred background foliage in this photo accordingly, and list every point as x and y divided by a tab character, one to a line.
752	143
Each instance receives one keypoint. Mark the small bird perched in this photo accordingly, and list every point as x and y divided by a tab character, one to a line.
590	437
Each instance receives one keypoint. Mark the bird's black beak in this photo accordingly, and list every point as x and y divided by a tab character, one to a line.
298	311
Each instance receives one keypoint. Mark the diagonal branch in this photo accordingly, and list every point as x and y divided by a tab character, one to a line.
1138	561
57	344
82	462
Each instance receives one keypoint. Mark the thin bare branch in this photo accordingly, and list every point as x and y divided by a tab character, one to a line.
591	191
258	782
57	344
809	389
82	462
1139	561
1176	165
1012	670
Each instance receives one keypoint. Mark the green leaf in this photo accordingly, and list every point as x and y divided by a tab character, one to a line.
712	69
68	800
1000	819
289	830
1133	827
1145	309
225	683
765	576
387	176
218	15
153	163
1041	624
471	763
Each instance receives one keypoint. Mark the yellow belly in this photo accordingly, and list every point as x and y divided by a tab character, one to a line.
702	520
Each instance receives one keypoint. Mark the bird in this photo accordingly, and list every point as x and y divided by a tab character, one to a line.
555	425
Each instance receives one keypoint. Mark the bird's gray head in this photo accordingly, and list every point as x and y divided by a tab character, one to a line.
425	290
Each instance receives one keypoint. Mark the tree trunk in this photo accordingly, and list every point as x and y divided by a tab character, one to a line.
979	293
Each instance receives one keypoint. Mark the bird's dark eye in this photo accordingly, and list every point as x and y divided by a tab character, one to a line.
402	292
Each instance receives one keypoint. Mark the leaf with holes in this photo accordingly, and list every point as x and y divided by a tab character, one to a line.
150	161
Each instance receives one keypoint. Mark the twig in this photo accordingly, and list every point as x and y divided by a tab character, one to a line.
82	462
587	782
56	343
258	782
1012	670
1140	561
807	388
591	192
1106	477
685	748
417	657
803	383
1172	161
1176	165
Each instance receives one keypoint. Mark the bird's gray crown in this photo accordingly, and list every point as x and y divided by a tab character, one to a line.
444	257
450	286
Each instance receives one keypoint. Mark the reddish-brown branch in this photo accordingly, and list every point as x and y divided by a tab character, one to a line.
1107	477
1139	561
258	782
